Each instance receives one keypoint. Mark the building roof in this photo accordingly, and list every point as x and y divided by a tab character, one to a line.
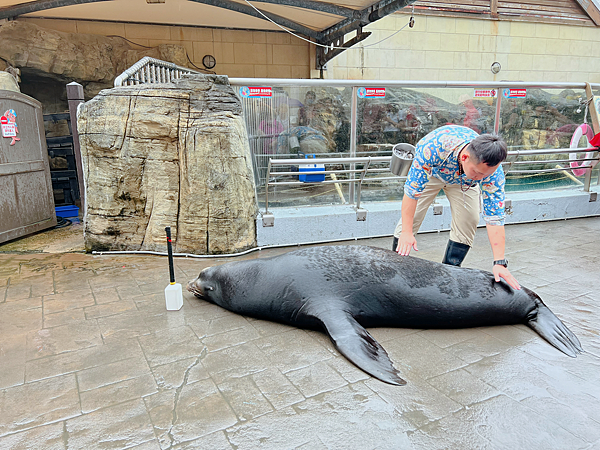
320	20
323	21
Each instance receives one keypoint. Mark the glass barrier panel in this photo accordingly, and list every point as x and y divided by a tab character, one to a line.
596	171
298	122
407	115
301	122
539	119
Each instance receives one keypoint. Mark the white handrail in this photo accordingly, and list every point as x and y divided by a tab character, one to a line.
367	160
405	83
144	71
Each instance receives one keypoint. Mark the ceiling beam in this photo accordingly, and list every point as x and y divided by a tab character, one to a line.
245	9
366	16
315	6
324	54
26	8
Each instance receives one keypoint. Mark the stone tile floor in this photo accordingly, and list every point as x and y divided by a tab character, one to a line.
90	358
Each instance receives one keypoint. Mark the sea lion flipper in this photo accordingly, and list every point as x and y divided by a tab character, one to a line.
555	332
356	344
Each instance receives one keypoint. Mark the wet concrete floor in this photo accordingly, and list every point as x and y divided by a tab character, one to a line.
90	358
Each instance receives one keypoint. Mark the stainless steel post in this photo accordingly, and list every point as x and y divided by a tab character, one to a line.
353	120
267	188
362	177
497	117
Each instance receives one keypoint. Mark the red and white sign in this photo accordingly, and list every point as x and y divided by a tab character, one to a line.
256	91
8	123
9	129
514	93
485	93
367	92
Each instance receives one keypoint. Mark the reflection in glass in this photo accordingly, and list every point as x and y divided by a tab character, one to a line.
545	119
299	122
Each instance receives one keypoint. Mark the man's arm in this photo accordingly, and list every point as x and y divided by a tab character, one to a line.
407	240
497	241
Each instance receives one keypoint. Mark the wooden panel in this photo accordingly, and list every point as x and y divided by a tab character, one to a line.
440	5
26	201
544	7
535	10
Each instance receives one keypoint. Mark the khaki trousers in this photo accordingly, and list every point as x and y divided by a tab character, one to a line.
465	210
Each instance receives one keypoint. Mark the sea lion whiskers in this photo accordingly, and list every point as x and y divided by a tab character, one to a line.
199	289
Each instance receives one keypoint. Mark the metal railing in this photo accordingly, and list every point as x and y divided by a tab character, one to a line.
511	161
328	161
151	70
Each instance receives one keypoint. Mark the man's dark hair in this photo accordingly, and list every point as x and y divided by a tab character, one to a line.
489	148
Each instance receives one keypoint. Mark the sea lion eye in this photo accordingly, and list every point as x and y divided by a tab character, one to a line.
210	288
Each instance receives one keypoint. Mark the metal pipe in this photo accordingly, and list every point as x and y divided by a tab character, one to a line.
355	180
281	82
372	180
385	169
550	151
353	136
553	161
267	184
383	159
329	172
537	171
362	177
358	159
367	161
497	117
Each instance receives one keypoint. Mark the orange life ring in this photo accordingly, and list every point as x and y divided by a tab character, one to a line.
579	169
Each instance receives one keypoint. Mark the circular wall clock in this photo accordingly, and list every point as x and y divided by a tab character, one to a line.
209	61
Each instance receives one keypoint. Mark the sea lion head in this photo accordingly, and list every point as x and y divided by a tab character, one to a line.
205	286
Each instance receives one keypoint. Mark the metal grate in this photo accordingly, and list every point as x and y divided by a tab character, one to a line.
151	70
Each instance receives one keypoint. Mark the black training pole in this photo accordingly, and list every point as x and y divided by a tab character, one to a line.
170	250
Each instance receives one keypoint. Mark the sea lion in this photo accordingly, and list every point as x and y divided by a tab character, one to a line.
345	288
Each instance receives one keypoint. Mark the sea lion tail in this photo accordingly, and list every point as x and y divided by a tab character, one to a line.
356	344
551	328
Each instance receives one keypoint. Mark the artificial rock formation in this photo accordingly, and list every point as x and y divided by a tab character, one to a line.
92	60
173	154
8	82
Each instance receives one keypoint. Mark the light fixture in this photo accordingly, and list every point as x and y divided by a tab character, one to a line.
495	67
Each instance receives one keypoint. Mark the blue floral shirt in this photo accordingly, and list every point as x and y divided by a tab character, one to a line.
437	156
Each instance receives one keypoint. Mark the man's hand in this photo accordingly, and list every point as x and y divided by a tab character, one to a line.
504	273
406	242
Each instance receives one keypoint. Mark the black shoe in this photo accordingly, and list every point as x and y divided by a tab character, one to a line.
455	253
395	244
